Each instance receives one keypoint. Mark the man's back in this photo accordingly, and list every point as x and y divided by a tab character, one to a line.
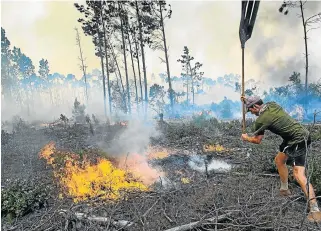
275	119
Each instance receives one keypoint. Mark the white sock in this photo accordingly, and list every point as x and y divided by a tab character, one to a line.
314	207
284	185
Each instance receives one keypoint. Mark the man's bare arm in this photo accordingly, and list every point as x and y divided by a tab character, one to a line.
253	139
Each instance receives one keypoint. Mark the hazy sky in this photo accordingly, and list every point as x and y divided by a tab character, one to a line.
45	29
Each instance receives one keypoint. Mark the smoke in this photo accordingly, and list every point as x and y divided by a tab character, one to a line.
130	148
134	139
198	164
277	44
216	94
38	105
275	50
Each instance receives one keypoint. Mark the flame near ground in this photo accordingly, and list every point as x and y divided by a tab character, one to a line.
81	178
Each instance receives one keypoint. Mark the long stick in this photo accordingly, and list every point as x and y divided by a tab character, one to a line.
243	106
198	223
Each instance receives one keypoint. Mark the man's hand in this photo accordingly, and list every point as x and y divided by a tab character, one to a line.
245	137
254	139
243	98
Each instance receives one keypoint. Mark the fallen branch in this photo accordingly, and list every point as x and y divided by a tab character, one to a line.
246	174
198	223
83	216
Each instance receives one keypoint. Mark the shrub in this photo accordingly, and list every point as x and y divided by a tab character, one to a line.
19	125
315	169
23	196
316	133
5	137
199	120
78	112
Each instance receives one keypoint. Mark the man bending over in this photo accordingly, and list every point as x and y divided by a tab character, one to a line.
292	151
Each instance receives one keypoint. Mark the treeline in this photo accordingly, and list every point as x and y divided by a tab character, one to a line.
308	97
121	31
18	76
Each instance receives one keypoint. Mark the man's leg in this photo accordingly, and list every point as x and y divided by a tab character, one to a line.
280	161
299	175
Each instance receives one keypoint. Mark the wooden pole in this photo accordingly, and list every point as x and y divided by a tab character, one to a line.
243	104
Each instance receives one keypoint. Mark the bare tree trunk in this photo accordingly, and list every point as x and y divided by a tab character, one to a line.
131	56
306	47
106	58
193	93
143	55
125	60
103	72
306	56
107	70
166	58
139	73
120	78
108	77
187	92
192	81
82	66
115	59
187	86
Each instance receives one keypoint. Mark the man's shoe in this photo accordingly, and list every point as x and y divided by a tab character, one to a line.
285	192
314	217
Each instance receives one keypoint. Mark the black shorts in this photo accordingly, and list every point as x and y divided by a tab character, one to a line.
296	153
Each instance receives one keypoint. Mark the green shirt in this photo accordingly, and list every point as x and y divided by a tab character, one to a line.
272	117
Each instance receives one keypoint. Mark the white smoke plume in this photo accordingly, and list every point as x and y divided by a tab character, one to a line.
134	139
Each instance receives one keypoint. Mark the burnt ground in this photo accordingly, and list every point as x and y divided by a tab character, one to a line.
243	198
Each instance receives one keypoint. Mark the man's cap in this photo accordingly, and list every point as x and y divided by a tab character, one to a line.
251	100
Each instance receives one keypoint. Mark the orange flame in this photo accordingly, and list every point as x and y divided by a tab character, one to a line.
154	153
123	123
100	179
138	165
47	152
213	148
82	179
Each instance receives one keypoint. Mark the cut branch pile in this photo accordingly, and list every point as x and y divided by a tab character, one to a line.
230	202
247	198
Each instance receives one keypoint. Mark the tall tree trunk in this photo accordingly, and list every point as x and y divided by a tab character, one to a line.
187	90
187	86
106	58
131	56
192	82
107	70
125	60
193	93
139	73
107	74
83	66
120	77
103	72
115	60
143	55
166	58
306	55
306	47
